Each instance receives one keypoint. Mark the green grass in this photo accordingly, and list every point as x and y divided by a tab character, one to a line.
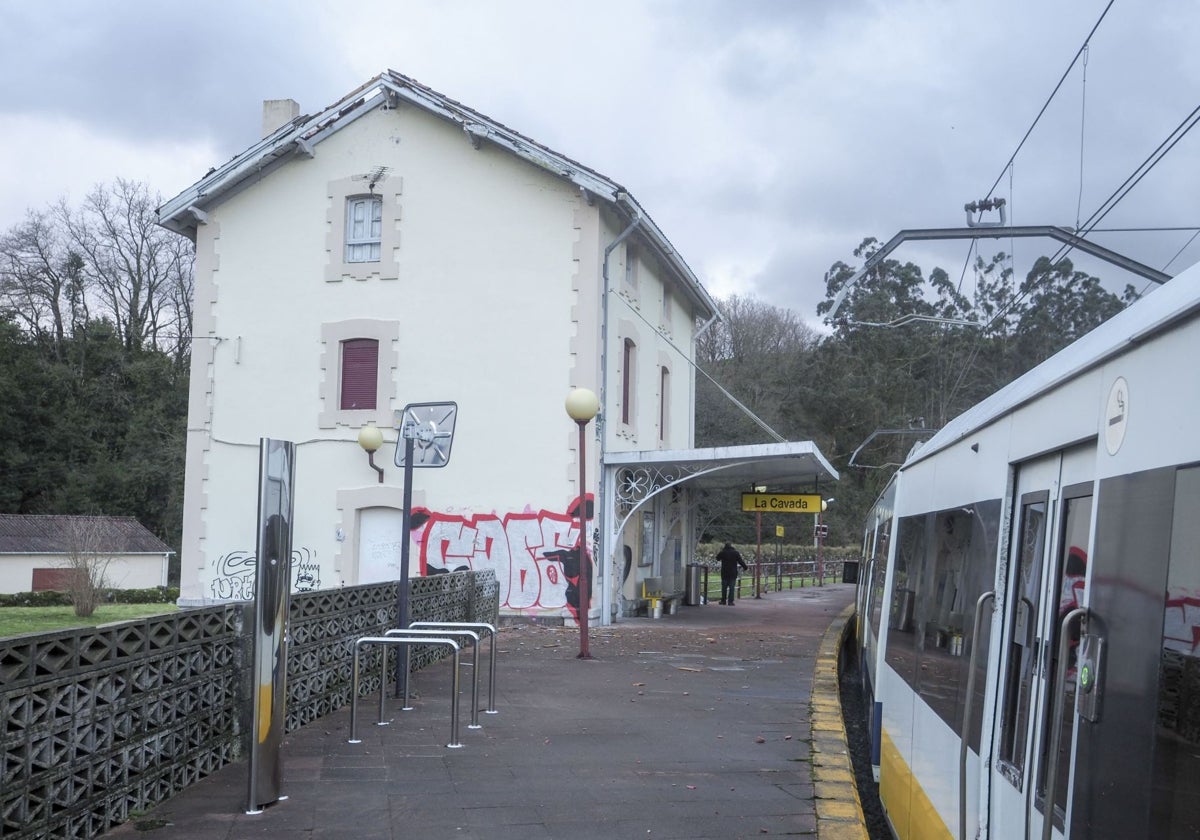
17	620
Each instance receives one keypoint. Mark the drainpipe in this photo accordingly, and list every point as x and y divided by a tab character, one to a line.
602	507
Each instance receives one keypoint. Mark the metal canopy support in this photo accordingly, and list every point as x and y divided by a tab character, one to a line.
1016	232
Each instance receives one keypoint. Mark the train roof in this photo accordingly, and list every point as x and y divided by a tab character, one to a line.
1165	306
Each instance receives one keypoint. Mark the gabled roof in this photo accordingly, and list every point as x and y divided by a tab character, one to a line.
28	534
301	136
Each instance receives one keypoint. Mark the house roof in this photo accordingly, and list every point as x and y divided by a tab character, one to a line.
185	211
28	534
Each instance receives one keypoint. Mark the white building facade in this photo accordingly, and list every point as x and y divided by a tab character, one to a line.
43	552
399	248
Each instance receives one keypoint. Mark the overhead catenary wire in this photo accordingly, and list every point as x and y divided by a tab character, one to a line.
1141	171
758	421
1050	98
1082	134
1008	166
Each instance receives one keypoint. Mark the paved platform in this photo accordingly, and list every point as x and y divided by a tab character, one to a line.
695	725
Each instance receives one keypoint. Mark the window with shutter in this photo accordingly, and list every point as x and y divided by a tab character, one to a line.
356	382
360	374
364	228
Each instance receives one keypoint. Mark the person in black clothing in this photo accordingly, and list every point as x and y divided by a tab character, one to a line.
730	560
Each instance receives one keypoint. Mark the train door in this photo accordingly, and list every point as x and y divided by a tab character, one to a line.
1051	526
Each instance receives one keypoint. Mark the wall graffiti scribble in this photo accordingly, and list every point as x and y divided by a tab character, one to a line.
233	579
534	553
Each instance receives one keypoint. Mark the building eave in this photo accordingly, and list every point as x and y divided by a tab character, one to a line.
187	210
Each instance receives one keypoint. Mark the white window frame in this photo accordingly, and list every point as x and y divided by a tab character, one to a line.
364	230
337	231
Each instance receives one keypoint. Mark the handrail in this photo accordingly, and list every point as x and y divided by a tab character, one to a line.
965	745
486	628
405	642
471	634
1060	676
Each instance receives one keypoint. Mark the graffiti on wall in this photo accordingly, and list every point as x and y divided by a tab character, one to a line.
233	577
535	554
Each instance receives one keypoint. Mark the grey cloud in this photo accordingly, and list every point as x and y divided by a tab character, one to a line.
159	70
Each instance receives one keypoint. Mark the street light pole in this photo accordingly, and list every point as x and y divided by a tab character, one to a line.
821	541
759	488
582	405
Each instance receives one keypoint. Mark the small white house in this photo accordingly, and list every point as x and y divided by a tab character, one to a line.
39	552
400	248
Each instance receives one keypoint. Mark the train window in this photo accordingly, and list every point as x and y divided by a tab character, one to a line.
880	574
944	562
1022	645
902	622
1175	809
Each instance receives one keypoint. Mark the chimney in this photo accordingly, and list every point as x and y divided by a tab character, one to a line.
278	113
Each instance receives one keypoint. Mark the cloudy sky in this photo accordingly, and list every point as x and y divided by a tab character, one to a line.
767	138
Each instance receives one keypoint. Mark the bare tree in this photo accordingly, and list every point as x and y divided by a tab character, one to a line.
41	279
86	563
108	259
755	352
139	273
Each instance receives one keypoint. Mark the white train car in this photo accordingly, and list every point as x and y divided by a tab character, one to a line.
1029	602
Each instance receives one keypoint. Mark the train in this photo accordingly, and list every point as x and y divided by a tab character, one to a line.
1027	621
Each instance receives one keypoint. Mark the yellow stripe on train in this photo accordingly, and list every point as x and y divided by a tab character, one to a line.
911	812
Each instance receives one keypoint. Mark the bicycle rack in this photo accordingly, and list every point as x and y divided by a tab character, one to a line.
402	641
483	628
426	633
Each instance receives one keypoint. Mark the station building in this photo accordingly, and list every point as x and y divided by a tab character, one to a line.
399	248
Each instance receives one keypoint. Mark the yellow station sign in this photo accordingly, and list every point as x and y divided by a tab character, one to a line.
781	502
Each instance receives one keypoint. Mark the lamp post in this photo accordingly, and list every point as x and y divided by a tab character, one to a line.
582	405
370	439
758	550
821	541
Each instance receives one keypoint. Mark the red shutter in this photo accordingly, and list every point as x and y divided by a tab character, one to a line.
360	373
55	580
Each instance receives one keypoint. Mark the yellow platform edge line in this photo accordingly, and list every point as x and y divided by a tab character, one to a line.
840	817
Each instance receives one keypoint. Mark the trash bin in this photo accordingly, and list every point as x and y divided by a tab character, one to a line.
691	590
850	571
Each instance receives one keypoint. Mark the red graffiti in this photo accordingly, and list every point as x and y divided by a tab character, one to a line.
1181	625
527	551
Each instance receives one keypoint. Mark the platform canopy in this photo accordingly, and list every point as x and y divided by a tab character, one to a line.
793	466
